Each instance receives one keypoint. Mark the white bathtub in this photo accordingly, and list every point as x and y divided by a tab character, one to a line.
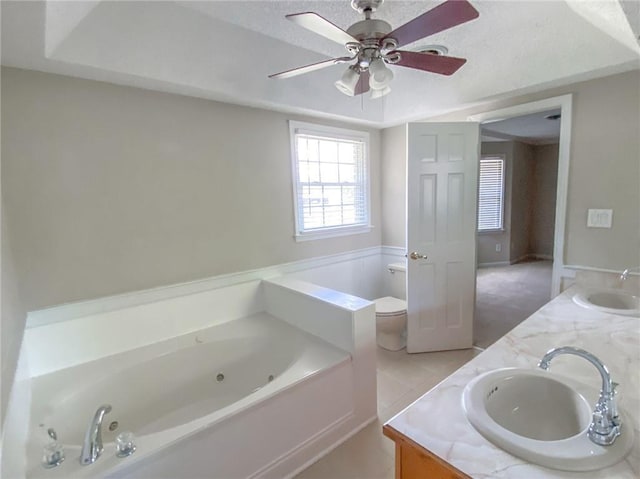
188	421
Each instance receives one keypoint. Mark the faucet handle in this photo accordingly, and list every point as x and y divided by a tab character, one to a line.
125	445
53	453
598	422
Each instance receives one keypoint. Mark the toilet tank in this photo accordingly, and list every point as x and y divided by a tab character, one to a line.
397	280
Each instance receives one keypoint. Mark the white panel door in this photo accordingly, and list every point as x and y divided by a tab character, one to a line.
442	178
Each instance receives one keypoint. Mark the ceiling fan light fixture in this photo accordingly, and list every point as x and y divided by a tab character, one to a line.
372	43
380	75
380	93
347	84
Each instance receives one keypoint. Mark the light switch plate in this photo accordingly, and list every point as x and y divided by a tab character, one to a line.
599	218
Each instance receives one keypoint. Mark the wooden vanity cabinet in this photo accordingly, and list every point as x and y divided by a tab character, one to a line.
415	462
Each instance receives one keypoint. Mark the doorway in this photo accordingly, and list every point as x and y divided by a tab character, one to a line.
522	198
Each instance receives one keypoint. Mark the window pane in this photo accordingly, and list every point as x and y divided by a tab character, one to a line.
329	172
331	182
348	194
314	217
308	172
333	195
347	152
347	173
313	196
349	214
333	216
328	151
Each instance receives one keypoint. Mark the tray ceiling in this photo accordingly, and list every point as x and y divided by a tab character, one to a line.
224	50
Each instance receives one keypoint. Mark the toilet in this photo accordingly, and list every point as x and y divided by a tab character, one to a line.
391	312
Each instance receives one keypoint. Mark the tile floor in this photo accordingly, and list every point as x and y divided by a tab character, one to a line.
506	296
402	378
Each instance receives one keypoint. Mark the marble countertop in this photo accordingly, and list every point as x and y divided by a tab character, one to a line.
437	422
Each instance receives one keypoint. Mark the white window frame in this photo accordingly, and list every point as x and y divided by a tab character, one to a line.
298	127
503	191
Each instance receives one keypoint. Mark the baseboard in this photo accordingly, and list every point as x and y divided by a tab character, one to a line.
519	260
547	257
531	256
496	263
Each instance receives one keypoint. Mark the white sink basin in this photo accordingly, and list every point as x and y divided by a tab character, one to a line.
609	301
536	416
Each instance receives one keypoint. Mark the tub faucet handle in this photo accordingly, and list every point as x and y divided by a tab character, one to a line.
53	453
125	445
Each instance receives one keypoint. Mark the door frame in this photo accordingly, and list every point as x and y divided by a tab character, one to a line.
564	102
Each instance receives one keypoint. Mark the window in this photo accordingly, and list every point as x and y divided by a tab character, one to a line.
491	193
330	181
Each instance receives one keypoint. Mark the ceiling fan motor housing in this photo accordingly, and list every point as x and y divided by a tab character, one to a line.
362	6
371	29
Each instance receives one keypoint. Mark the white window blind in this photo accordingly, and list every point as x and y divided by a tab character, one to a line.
491	193
330	180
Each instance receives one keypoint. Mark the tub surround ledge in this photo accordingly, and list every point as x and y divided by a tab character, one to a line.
437	423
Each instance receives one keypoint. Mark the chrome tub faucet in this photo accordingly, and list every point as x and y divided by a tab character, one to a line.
92	446
605	423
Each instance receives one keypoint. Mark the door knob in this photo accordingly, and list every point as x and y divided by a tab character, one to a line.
416	255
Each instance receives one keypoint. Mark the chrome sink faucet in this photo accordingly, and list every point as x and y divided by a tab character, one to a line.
92	446
605	423
625	274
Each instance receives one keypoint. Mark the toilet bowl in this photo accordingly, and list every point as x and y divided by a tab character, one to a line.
391	323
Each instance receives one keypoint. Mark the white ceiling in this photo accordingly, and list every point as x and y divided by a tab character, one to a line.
534	128
224	50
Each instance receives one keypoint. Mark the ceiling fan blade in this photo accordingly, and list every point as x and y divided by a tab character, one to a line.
441	64
444	16
321	26
309	68
363	83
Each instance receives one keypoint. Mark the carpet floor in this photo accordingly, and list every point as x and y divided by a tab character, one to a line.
506	296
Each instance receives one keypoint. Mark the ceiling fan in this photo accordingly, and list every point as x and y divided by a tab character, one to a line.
372	45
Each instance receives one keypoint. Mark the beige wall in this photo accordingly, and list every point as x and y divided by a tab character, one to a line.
604	169
605	173
394	181
522	187
113	189
13	316
543	208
